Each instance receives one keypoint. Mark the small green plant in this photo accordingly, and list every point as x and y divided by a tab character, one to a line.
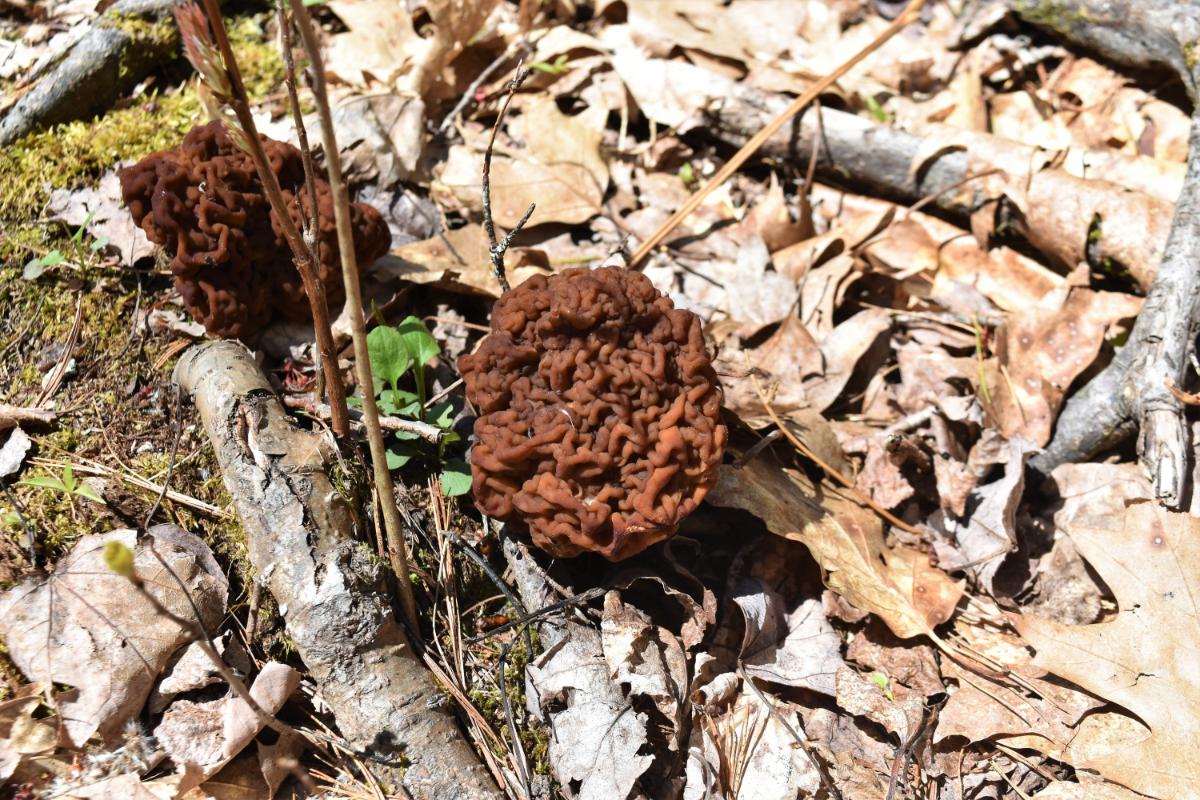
881	680
36	266
65	484
399	357
687	174
556	67
876	110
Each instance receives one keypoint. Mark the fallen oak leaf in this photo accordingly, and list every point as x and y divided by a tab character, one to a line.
898	586
1146	658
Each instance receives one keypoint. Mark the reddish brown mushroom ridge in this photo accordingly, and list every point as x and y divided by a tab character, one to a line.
203	203
599	408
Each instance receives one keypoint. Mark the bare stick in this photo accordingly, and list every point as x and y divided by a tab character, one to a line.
248	139
498	249
312	223
752	146
397	549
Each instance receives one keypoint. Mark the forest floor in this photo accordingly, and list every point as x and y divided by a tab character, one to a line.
877	599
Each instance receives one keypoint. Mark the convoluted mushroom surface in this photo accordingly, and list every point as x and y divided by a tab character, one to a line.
204	204
599	411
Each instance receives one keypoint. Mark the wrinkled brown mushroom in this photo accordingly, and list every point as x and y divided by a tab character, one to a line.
203	203
599	408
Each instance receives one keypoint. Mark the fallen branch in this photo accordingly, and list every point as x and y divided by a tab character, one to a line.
328	587
430	433
889	162
122	45
1135	390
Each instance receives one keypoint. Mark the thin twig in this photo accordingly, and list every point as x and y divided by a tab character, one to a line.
178	434
760	138
521	46
830	471
430	433
497	249
249	139
393	526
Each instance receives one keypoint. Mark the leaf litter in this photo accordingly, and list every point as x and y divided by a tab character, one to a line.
996	634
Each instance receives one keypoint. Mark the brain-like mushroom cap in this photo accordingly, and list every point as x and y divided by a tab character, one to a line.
203	203
599	412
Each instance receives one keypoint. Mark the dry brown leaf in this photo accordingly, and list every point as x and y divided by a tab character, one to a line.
201	738
1044	349
911	664
1061	790
895	707
671	93
21	734
796	647
381	45
458	256
1146	659
560	169
842	350
897	585
86	627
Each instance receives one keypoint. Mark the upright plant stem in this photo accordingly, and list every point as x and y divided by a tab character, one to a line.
358	326
304	256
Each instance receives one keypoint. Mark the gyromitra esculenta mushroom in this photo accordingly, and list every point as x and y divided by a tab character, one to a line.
203	203
599	409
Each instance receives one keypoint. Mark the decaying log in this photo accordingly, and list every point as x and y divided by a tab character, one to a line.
888	162
122	45
327	585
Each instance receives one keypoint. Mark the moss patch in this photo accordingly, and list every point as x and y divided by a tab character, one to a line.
67	156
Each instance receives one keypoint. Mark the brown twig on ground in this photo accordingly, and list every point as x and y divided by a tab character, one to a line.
751	147
12	416
233	94
1135	391
430	433
393	526
497	249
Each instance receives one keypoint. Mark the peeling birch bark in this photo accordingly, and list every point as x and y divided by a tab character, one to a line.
328	586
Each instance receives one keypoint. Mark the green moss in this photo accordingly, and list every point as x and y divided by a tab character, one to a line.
67	156
1057	16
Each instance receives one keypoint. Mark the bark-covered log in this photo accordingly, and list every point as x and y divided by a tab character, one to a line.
327	585
886	161
120	48
1133	33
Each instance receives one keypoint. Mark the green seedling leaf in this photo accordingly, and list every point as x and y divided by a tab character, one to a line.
877	111
78	237
421	345
119	558
10	519
83	490
557	67
389	354
401	453
442	415
456	478
687	174
881	681
99	244
399	403
45	482
37	266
